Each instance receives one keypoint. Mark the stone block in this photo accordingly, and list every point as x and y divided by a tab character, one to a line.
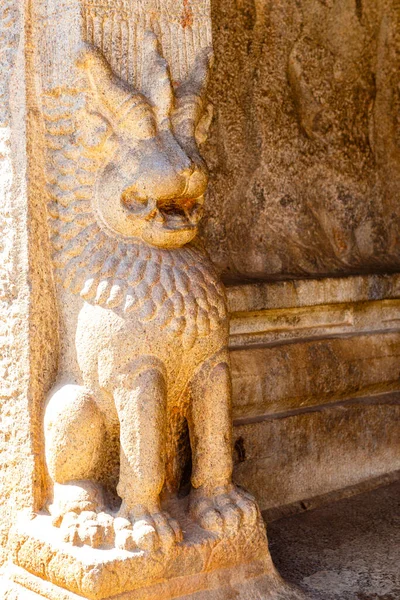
291	458
202	561
313	372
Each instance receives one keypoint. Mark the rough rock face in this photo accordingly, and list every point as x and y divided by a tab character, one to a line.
305	154
304	165
26	358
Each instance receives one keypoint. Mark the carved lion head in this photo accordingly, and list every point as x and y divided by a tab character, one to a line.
152	179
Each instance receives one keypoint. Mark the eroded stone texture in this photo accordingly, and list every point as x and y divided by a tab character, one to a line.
304	163
141	405
313	373
27	333
299	344
296	457
304	151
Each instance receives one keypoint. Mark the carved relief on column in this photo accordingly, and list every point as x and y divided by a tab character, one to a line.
138	424
22	313
9	36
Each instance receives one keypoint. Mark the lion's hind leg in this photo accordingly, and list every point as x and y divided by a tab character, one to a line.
74	434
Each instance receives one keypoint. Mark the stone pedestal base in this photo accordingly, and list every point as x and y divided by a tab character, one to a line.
223	585
204	566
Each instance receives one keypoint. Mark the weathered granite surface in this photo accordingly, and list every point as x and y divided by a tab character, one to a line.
304	168
316	392
304	150
27	311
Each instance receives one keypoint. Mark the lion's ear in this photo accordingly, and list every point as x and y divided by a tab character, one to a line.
192	115
156	78
203	126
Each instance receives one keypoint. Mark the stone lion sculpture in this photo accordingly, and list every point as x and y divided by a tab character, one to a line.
144	321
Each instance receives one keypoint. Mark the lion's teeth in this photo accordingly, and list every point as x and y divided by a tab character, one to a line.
151	210
195	216
158	216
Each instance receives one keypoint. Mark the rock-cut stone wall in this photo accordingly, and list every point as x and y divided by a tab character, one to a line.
305	150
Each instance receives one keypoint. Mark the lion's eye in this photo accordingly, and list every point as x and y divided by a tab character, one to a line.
138	119
130	198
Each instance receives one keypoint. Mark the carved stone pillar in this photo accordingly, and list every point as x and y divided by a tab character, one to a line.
125	462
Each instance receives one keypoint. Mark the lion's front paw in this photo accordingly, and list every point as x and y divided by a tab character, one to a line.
147	532
87	528
224	511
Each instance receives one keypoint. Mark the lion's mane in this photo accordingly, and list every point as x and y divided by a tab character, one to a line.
177	289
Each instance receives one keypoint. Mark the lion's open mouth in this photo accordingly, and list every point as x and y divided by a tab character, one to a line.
175	215
178	217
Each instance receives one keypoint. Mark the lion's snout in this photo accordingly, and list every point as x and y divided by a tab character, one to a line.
163	183
159	200
177	190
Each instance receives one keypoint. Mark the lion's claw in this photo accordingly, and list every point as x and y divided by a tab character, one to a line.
87	528
147	532
225	511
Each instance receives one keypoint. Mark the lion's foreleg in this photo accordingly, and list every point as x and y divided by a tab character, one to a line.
141	402
215	503
210	425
